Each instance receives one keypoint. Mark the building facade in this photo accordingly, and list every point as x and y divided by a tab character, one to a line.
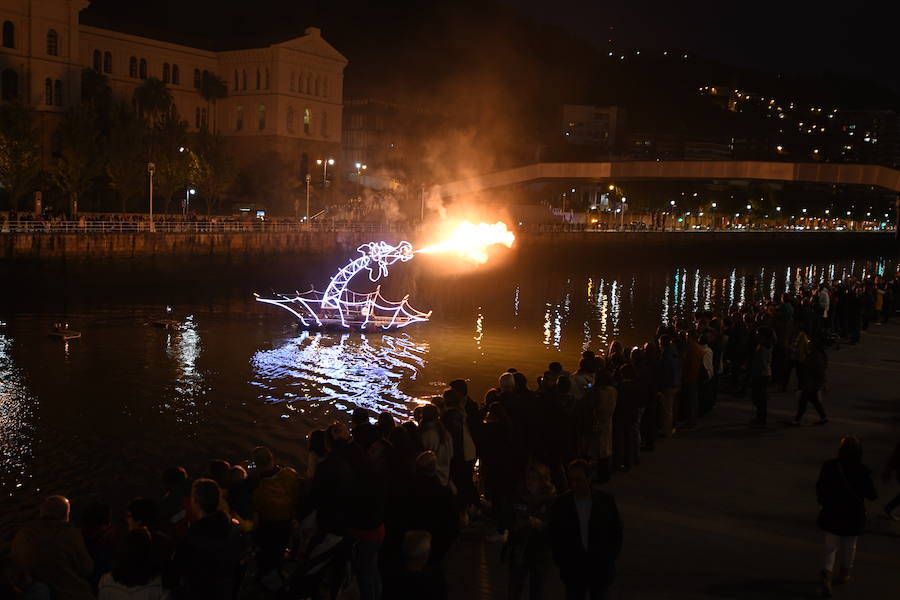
284	97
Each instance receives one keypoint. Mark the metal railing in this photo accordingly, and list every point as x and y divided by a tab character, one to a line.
212	226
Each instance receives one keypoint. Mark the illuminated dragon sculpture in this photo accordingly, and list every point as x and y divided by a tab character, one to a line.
339	306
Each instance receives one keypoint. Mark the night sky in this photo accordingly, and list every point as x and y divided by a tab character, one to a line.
791	36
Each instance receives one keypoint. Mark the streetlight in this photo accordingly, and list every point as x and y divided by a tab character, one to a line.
324	163
359	167
151	169
308	178
622	222
187	200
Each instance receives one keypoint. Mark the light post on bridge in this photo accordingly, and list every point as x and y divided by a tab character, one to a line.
188	192
674	221
324	162
151	169
359	168
713	206
308	179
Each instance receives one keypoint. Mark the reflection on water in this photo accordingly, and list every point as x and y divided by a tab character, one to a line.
183	348
341	369
16	421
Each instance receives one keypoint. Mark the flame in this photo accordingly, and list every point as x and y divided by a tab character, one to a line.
471	240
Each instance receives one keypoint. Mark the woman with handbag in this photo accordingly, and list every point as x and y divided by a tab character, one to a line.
844	485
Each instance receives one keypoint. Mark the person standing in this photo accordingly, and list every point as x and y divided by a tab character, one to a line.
892	469
844	485
811	376
760	376
52	550
670	382
585	536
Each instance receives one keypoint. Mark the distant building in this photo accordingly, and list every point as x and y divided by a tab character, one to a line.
285	96
596	127
869	136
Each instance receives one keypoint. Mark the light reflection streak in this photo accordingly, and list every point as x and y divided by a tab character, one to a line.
348	370
707	292
696	302
479	331
731	282
184	348
516	303
664	317
16	421
615	294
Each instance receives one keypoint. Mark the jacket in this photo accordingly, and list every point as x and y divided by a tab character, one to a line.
276	495
54	552
842	489
110	589
206	562
594	415
598	562
671	368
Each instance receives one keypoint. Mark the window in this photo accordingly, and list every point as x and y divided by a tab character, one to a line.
97	63
9	34
239	118
257	79
324	123
107	62
197	118
58	93
176	75
132	67
237	82
48	92
197	78
204	78
9	82
143	71
307	83
203	120
290	119
292	82
325	87
244	79
262	117
52	43
267	79
317	86
167	73
307	120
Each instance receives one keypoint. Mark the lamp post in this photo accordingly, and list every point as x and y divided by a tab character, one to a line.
187	200
713	206
325	162
151	169
308	178
674	221
622	222
359	167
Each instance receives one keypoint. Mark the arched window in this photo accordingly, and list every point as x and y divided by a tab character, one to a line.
237	81
239	118
317	86
262	116
9	34
132	67
267	78
308	77
307	120
143	71
324	123
197	77
257	79
9	82
52	43
325	87
290	119
243	79
197	118
48	92
58	93
107	62
167	73
176	75
97	63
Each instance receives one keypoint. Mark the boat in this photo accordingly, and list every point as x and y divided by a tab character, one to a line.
342	308
61	331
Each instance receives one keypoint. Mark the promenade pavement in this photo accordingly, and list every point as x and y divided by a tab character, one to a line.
726	511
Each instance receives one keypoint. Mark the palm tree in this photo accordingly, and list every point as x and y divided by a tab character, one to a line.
212	89
152	99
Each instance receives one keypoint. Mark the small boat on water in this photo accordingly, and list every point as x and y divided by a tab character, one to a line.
61	331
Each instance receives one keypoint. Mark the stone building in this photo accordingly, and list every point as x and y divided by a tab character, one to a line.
284	96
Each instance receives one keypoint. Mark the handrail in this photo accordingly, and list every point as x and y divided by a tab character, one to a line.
125	226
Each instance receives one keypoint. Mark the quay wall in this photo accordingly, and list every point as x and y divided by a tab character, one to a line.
253	245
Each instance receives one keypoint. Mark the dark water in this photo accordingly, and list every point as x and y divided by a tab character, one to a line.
99	417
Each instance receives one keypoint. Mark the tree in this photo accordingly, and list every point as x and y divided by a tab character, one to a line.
80	160
212	89
212	170
169	152
20	151
126	155
153	100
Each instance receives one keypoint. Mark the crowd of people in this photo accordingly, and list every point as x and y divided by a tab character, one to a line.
380	503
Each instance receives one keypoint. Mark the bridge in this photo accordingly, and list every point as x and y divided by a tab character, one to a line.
825	173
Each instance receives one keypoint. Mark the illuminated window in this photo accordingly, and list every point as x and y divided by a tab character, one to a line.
307	120
53	43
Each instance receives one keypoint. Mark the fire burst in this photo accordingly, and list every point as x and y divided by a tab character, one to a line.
339	306
471	240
